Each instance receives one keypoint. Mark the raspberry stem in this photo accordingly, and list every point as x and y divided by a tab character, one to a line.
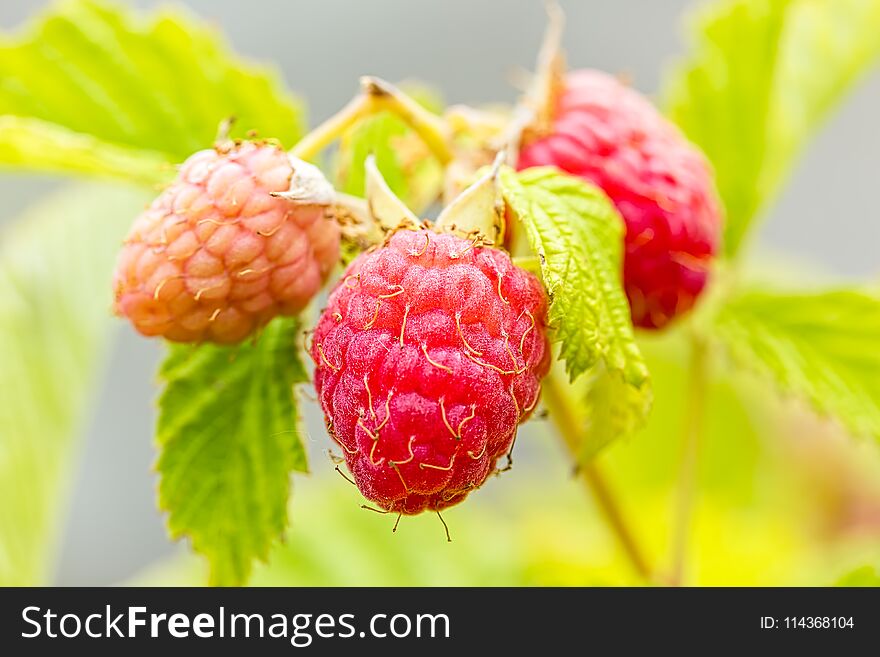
610	507
430	127
688	468
378	96
565	417
550	69
535	112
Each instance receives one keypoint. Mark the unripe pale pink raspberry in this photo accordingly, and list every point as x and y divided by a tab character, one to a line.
216	256
430	353
611	135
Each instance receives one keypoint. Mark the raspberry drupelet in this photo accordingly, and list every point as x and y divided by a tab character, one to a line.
217	255
612	136
429	354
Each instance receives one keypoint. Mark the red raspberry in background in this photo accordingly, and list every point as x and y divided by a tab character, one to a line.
613	136
216	257
430	353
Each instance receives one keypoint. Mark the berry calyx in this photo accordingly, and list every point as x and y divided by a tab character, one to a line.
240	236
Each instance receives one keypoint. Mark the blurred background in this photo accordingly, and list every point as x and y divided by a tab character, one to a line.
535	524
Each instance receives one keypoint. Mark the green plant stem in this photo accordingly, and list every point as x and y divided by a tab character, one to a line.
688	469
566	418
378	96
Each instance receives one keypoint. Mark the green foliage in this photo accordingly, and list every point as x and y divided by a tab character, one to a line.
229	439
95	88
720	96
55	268
731	442
578	236
377	135
828	46
821	346
611	408
556	540
864	576
760	78
32	143
99	89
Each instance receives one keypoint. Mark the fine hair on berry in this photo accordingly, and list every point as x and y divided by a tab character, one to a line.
429	354
217	255
611	135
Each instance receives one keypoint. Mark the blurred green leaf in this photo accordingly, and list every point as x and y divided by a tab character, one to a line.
731	449
55	329
25	142
821	346
229	439
406	163
864	576
375	135
541	530
613	408
828	46
761	76
106	90
334	542
721	94
577	235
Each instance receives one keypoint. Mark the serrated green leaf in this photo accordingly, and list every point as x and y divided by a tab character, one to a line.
761	76
143	91
821	346
578	236
229	439
55	329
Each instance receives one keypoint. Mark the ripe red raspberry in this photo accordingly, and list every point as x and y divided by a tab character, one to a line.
614	137
216	256
429	354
